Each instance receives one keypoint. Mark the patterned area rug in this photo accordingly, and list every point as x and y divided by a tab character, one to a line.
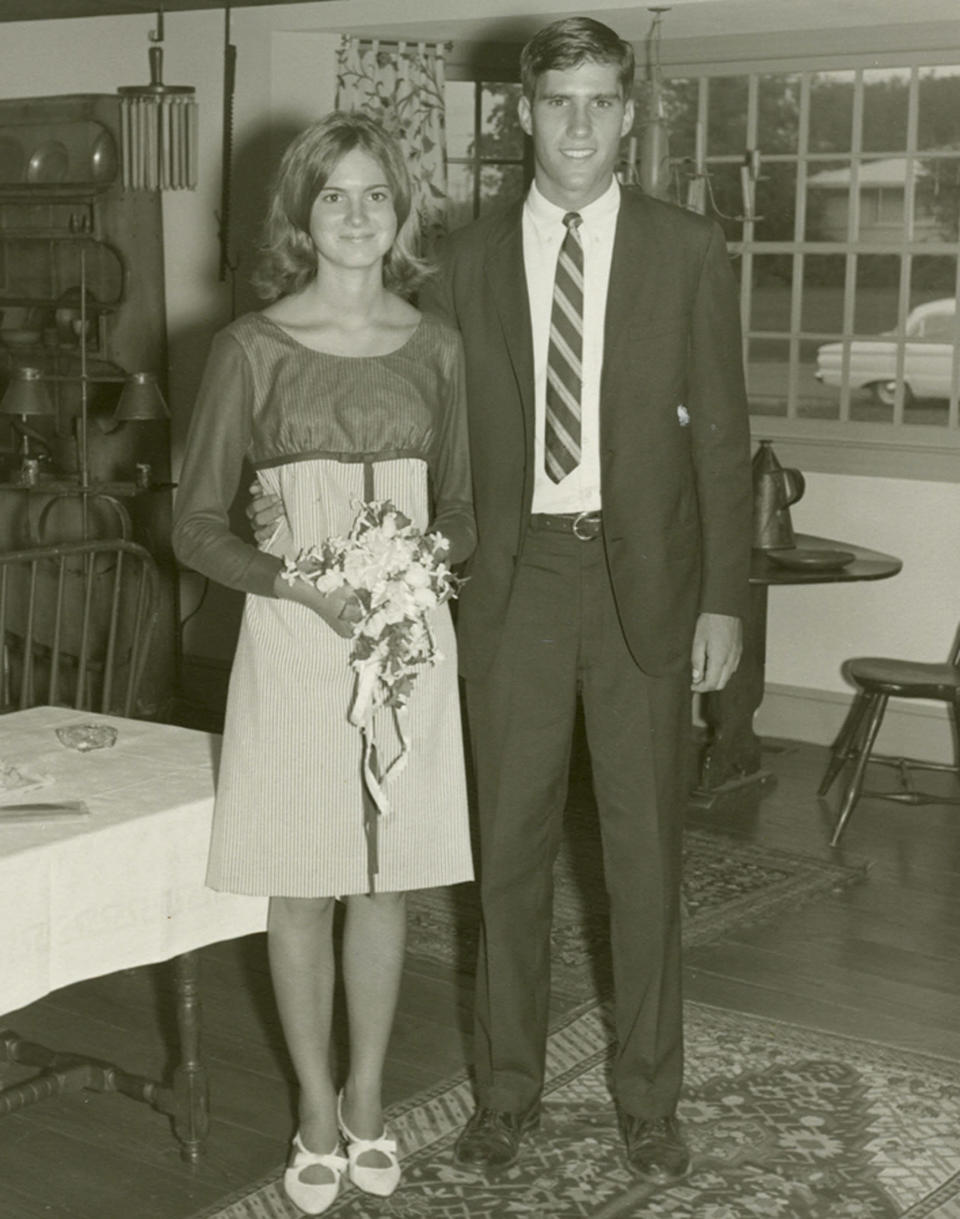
726	884
784	1123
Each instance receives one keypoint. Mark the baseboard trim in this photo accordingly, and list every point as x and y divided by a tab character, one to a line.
912	729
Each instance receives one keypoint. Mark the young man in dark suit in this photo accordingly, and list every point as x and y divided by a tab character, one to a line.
612	493
611	468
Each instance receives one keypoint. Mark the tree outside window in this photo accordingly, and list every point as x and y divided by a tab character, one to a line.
486	152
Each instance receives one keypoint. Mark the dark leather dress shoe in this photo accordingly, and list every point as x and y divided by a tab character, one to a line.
491	1139
655	1148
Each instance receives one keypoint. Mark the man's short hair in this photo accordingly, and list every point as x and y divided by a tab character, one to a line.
570	42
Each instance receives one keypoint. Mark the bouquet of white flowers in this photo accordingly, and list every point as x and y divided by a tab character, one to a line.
399	575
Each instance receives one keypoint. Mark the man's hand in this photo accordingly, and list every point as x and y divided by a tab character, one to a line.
717	645
264	512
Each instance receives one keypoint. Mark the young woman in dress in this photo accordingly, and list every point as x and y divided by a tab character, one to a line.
339	391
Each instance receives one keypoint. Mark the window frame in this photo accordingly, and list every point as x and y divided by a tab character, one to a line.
896	449
480	75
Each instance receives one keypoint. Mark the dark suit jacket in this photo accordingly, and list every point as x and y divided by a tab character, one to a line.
674	439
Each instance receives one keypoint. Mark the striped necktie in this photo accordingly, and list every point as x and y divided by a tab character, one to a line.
564	357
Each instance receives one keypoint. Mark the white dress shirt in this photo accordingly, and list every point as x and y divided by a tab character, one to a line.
543	234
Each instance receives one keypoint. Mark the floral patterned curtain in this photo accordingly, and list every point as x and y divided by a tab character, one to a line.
401	84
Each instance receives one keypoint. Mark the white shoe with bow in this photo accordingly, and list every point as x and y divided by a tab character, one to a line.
380	1179
312	1198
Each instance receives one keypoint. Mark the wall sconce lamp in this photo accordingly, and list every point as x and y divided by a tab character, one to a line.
28	395
140	399
25	396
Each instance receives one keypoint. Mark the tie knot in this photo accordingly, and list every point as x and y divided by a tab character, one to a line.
573	220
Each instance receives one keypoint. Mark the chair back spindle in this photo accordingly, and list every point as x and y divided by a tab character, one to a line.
76	620
955	650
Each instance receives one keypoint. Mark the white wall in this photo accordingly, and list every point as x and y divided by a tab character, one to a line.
813	629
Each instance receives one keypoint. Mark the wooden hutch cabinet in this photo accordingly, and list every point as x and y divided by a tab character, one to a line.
66	217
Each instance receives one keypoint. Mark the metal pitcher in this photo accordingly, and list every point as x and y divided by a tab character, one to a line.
775	488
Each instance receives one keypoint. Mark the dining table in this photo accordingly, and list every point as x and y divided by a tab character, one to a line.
730	763
104	828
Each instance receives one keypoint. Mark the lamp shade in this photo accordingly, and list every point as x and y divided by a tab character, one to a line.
27	394
140	399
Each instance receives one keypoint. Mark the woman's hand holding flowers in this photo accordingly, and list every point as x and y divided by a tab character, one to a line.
340	608
383	579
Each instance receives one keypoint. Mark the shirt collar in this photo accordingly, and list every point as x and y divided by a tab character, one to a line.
547	216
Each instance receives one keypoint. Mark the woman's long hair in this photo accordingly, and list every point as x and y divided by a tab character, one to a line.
287	260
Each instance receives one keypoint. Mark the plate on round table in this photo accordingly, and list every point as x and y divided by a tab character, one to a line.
809	559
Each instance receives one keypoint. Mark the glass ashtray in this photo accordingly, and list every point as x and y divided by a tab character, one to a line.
84	737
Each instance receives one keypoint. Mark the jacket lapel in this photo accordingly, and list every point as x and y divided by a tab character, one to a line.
631	301
508	286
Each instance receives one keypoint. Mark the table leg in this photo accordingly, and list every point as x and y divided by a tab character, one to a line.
731	759
190	1089
184	1100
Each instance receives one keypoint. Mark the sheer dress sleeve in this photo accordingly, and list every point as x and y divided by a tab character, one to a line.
450	459
217	443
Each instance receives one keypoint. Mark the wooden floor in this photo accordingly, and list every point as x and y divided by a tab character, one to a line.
881	960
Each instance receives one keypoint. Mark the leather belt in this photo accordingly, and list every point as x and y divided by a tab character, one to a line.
585	526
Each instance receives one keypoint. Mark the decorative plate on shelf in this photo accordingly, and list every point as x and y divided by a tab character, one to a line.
806	559
49	163
103	158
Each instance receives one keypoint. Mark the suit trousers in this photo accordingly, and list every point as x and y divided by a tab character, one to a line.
562	640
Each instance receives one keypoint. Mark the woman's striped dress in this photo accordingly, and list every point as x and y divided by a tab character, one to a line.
322	431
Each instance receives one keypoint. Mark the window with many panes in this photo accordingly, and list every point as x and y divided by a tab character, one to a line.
839	193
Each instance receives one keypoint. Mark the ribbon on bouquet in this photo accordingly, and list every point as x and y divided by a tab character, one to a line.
375	801
374	805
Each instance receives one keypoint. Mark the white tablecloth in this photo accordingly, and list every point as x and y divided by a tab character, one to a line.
124	886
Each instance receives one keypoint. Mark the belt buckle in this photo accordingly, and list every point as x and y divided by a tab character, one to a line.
590	518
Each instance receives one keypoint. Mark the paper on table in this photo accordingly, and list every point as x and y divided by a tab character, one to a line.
62	810
16	779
